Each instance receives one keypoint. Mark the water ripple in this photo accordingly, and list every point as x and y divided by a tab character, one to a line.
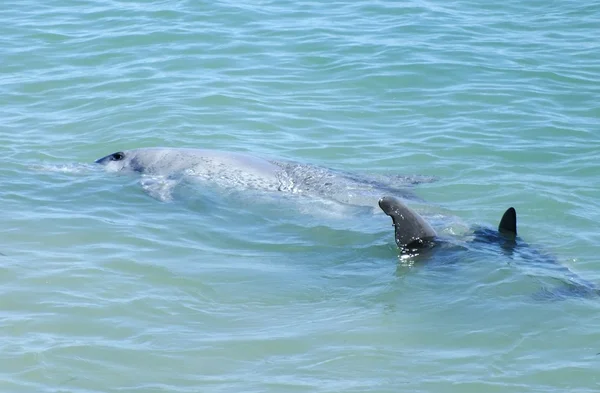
107	289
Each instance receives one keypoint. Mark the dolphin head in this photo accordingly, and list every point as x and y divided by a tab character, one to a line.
149	160
136	160
411	230
117	161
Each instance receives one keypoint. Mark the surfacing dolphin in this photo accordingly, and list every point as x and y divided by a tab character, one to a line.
244	171
415	237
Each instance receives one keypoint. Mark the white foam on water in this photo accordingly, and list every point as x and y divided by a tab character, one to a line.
73	168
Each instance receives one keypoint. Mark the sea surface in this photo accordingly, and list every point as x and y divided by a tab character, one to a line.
105	287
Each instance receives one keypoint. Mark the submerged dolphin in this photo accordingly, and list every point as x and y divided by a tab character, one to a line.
414	236
244	171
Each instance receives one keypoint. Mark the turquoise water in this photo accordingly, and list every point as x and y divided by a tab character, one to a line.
107	288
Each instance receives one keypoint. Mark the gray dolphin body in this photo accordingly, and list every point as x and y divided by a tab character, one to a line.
414	236
244	171
234	168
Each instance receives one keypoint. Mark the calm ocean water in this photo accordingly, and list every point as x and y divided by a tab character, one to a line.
105	288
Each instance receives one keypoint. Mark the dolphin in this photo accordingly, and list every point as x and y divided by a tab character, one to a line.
245	171
413	232
415	237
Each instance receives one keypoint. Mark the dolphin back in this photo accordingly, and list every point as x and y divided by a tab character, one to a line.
411	230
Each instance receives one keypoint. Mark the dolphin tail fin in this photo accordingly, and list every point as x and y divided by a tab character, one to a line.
508	223
411	230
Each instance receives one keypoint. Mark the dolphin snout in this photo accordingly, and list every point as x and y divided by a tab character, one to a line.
102	160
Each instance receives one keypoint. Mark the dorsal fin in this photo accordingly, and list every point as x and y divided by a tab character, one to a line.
410	228
508	223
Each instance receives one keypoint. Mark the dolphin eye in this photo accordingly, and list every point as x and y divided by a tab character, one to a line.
117	156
